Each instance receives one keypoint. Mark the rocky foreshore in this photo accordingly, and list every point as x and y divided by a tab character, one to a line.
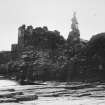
52	93
14	94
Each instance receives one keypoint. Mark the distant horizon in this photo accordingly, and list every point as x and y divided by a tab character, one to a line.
55	14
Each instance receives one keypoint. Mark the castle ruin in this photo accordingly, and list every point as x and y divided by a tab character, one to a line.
41	37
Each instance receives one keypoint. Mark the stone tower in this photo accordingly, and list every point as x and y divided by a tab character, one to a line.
21	33
74	34
74	25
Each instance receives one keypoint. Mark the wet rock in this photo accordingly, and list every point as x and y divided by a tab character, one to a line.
26	97
85	94
9	95
80	87
11	90
16	97
8	100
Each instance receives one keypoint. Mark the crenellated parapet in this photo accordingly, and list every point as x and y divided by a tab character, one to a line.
26	35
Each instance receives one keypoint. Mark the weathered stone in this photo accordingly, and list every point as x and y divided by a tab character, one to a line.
26	97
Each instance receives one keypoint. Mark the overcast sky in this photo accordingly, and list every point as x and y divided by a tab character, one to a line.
55	14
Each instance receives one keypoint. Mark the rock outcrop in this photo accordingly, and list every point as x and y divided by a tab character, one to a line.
41	54
51	57
41	58
5	57
45	55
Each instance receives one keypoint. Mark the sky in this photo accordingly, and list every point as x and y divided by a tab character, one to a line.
55	14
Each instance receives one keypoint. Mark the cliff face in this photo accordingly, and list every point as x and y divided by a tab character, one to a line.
37	64
5	57
40	56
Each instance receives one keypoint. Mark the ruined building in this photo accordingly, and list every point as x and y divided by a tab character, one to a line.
41	37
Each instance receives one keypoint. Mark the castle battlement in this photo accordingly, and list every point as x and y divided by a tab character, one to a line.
39	37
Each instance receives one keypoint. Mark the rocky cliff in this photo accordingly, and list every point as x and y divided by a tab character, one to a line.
45	55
